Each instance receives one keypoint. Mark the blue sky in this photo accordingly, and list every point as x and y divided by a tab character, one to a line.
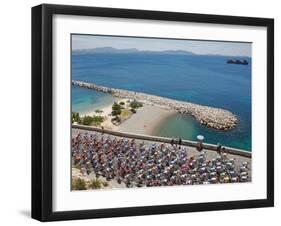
198	47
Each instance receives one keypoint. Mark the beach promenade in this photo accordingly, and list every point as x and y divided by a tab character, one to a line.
209	116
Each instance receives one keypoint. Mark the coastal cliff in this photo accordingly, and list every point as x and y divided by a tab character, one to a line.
209	116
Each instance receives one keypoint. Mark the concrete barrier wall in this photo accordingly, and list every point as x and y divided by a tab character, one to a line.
189	143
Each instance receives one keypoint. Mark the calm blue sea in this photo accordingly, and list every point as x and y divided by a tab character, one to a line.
206	80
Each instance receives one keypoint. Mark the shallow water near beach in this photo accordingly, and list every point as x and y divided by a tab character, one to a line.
200	79
86	101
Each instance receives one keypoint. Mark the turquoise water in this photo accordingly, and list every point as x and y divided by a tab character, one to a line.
86	101
201	79
187	127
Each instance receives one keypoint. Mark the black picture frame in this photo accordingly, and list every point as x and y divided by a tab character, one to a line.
42	196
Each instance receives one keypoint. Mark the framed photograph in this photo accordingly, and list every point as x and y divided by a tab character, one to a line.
145	112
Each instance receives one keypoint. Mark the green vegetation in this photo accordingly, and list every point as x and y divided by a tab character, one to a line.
78	184
135	104
116	112
81	184
121	110
105	183
97	184
95	120
98	111
75	117
116	119
116	109
87	120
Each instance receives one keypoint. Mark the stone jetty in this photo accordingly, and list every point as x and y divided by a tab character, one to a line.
216	118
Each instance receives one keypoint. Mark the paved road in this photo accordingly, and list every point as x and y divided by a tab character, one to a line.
209	154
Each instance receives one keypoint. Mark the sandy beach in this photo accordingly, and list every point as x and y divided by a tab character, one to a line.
106	113
145	120
106	109
212	117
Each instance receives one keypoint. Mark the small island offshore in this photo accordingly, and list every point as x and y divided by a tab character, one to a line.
145	115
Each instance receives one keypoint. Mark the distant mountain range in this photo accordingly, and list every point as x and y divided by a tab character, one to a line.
131	50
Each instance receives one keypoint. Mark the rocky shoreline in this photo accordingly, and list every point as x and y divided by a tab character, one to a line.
209	116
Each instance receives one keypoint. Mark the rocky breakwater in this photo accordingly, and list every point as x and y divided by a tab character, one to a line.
209	116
